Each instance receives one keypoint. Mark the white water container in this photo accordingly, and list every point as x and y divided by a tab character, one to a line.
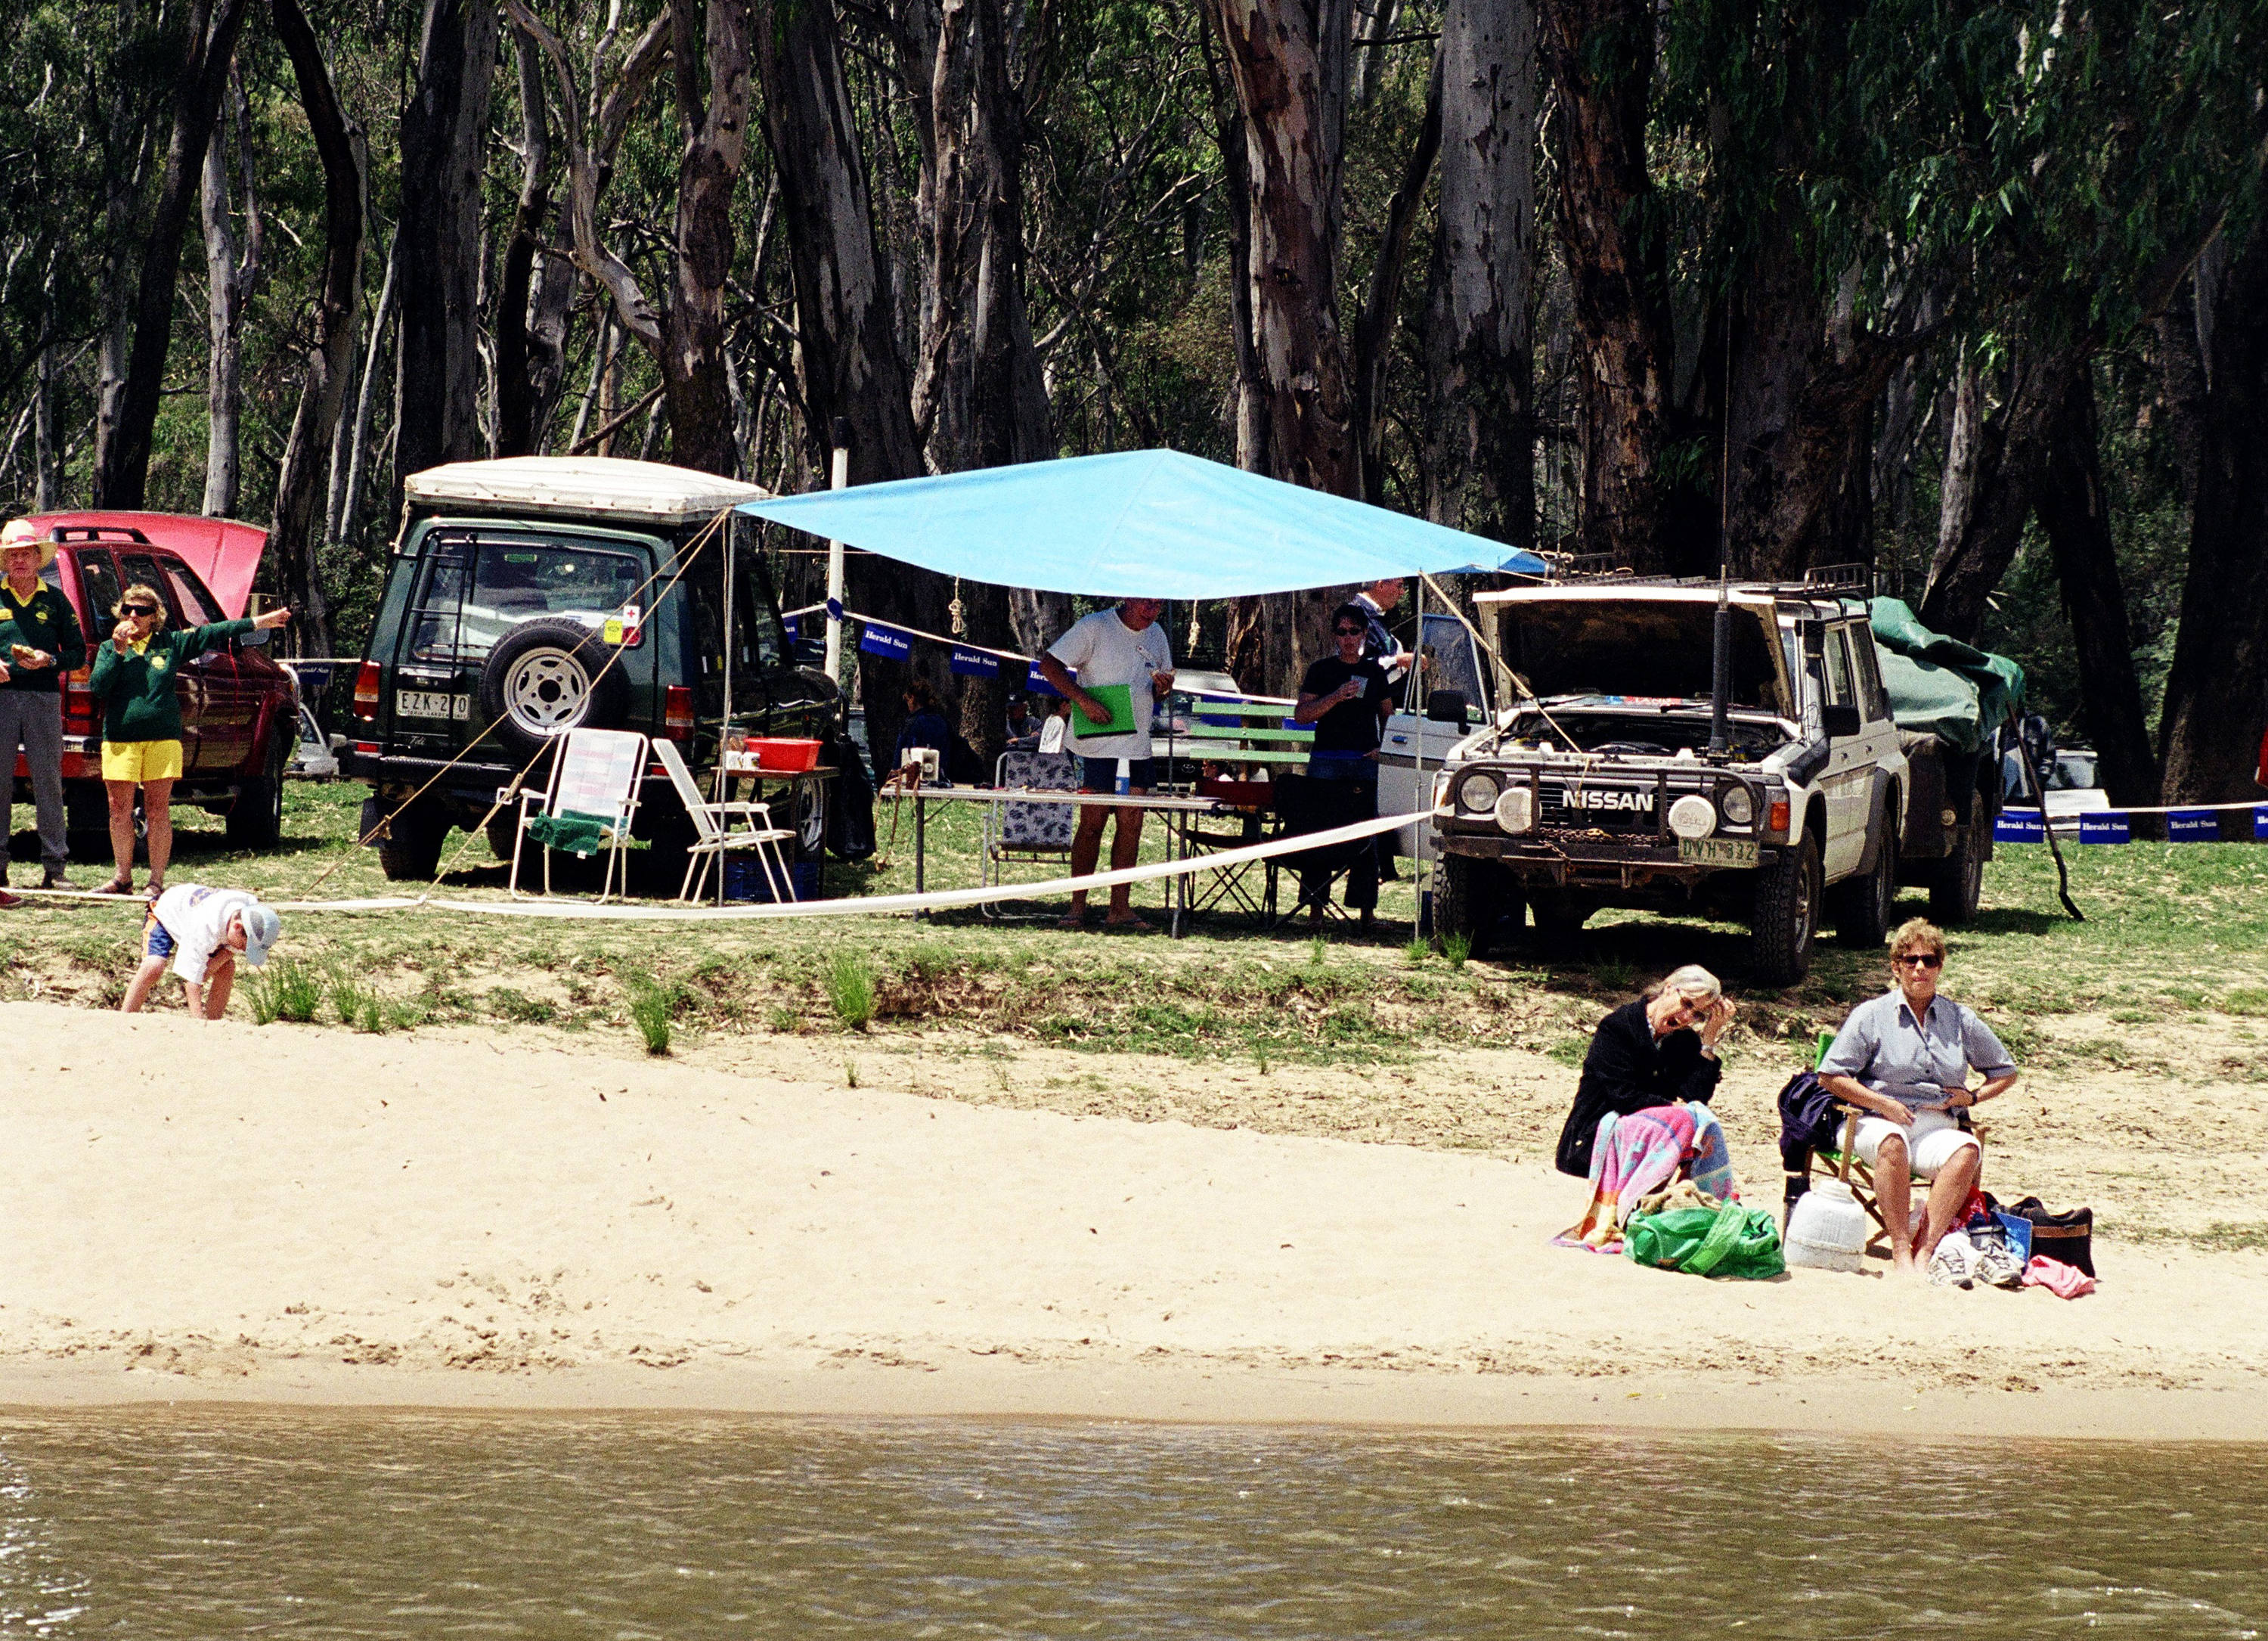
1827	1229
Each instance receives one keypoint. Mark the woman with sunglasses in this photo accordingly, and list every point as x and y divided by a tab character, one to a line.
1660	1050
1905	1059
1347	696
135	678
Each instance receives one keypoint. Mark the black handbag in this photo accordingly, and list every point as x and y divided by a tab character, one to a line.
2068	1237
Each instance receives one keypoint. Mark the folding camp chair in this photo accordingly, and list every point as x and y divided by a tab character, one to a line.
716	835
1842	1159
1306	805
588	806
1029	831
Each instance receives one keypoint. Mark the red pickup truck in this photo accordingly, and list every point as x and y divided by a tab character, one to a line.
239	709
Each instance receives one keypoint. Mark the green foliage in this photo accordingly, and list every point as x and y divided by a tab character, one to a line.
653	1006
1456	950
849	982
284	989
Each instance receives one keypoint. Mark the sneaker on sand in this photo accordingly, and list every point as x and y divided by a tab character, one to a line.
1998	1266
1949	1266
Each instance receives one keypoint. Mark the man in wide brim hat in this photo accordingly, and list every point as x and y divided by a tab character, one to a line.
40	642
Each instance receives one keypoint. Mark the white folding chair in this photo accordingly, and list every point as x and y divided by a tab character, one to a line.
588	806
715	834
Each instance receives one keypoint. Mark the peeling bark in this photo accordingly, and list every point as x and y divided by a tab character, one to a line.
537	286
1599	55
1286	63
443	147
853	370
231	271
1479	361
122	446
293	537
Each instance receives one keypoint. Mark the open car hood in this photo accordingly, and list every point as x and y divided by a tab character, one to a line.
225	554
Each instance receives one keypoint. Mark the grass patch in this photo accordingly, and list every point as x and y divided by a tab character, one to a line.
509	1003
283	990
653	1006
1456	950
849	979
2246	999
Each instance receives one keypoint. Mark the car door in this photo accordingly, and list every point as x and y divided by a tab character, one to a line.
1849	781
1414	746
426	712
231	700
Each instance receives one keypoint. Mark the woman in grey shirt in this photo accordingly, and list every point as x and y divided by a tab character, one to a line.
1905	1059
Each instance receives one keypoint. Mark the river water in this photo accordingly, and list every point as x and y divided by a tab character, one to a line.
229	1523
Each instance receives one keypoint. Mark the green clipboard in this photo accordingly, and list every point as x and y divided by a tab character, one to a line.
1119	698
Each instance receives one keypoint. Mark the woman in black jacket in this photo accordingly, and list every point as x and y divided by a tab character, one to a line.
1657	1050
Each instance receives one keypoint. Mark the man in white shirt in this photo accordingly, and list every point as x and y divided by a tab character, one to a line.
1121	646
202	930
1379	644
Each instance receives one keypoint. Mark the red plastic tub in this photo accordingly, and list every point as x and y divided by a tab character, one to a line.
783	755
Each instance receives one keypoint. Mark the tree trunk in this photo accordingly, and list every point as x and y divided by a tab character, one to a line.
536	287
2074	513
2011	453
716	123
854	371
978	395
127	156
121	456
444	148
1598	56
2217	690
46	446
231	271
1381	306
1287	63
347	479
1479	363
293	537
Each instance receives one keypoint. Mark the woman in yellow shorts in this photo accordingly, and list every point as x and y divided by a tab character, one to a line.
134	678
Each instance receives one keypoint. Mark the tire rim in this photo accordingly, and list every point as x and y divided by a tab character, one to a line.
810	819
547	692
1803	899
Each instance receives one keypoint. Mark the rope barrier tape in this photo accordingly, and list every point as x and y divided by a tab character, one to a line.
2122	809
871	905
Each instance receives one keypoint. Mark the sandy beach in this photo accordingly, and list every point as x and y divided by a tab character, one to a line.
303	1215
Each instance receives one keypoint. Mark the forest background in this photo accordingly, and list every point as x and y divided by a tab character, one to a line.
1974	294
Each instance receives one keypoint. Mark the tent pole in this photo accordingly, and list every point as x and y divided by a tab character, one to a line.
841	479
724	729
1421	864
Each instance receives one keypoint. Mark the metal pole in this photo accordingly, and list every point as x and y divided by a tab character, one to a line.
724	729
841	479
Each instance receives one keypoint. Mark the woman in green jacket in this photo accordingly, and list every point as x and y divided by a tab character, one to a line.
134	678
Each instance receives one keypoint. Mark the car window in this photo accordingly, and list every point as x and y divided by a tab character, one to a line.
436	612
1839	692
196	605
140	569
98	579
518	581
1869	673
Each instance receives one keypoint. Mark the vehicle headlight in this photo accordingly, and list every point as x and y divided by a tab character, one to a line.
1692	816
1476	792
1515	811
1736	804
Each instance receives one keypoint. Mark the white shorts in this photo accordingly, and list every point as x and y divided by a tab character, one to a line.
1930	1143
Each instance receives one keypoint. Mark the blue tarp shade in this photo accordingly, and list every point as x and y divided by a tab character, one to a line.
1141	524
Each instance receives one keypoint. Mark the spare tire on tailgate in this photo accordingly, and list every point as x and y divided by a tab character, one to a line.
550	675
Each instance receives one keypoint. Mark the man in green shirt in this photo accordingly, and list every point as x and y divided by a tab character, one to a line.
40	642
